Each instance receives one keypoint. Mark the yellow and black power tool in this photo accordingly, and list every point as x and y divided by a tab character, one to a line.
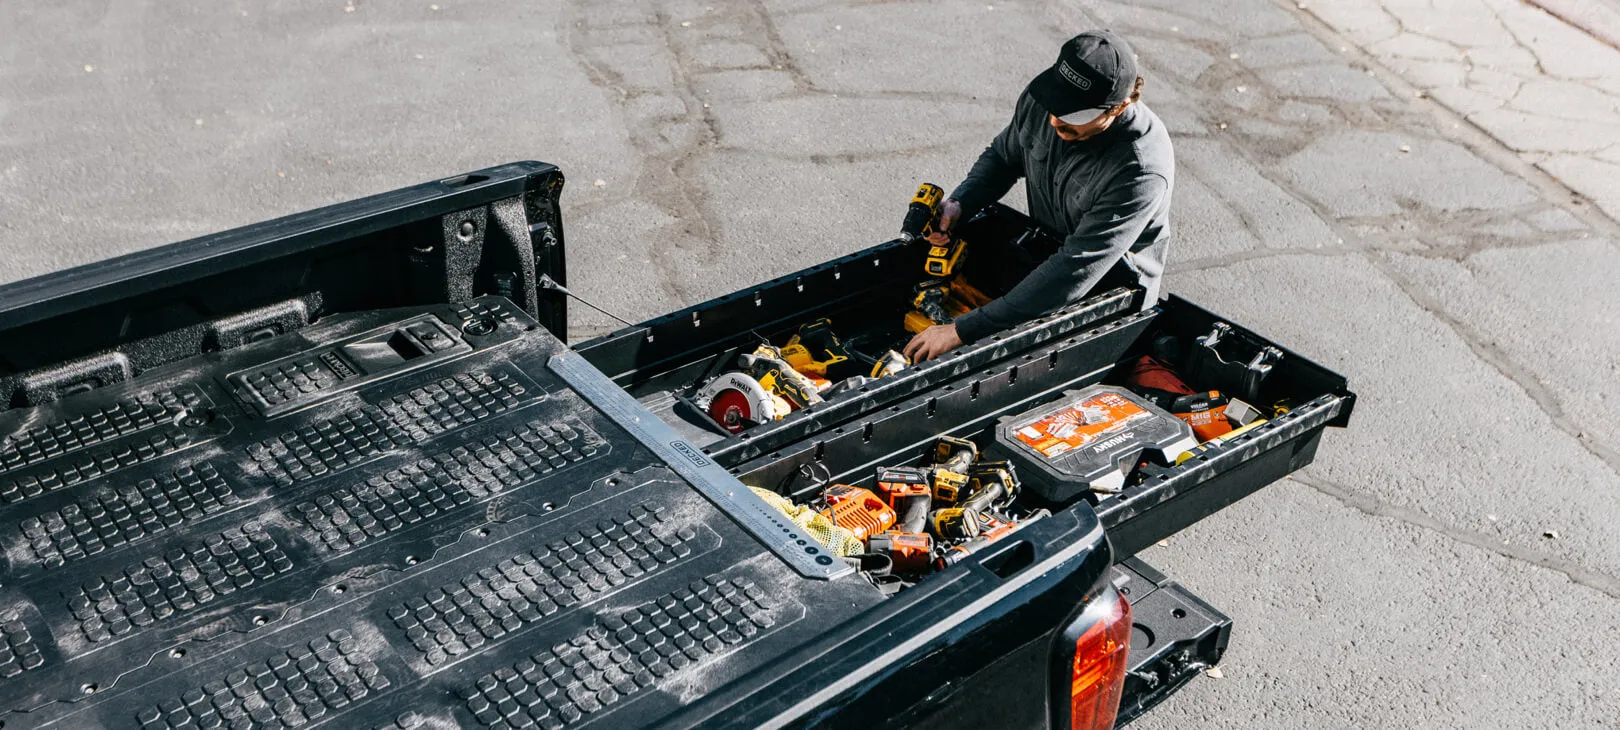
994	485
921	217
929	306
818	353
953	459
933	301
765	388
922	213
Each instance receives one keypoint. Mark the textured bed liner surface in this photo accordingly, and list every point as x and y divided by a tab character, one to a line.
397	519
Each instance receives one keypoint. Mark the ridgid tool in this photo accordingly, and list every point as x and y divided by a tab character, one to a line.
962	550
909	551
908	494
858	510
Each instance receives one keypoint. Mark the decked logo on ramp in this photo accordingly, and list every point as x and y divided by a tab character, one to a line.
690	453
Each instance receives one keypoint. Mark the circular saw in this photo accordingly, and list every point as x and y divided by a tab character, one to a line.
737	401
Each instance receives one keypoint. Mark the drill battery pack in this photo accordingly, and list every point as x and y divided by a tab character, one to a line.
1090	440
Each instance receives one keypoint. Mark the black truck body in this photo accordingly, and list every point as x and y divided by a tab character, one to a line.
342	469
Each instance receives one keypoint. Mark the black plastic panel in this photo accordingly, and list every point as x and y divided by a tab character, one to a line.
446	536
1175	635
489	232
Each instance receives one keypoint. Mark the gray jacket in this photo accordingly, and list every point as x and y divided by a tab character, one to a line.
1108	195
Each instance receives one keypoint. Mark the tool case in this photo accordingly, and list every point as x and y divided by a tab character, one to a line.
313	472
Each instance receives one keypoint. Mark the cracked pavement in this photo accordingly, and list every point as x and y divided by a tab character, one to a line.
1452	253
1548	90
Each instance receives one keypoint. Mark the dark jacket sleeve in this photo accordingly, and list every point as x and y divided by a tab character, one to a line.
995	172
1103	236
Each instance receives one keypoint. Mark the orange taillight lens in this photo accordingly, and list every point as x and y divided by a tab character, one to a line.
1100	656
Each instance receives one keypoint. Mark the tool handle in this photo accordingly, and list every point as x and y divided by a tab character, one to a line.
983	499
914	514
959	462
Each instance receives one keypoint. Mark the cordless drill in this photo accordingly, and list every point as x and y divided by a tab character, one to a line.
993	486
909	497
922	213
953	458
921	217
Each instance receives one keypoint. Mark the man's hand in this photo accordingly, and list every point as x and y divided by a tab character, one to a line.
948	213
932	342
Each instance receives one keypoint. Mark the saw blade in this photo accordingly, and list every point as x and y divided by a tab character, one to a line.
737	401
732	409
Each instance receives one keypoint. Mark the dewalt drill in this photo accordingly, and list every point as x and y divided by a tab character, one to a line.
931	298
921	217
922	213
994	485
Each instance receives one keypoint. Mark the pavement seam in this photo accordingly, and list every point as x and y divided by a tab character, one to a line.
663	180
1489	354
1463	130
1563	13
1486	352
1499	361
1372	507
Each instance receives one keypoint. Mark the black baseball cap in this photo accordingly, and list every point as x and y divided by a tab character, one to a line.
1094	72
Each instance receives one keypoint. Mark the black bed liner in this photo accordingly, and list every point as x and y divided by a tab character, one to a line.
433	543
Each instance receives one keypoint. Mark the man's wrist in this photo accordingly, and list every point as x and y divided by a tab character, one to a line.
969	327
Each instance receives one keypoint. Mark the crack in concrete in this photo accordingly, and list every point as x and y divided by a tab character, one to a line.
1373	507
1517	122
1471	134
666	150
835	158
1386	243
1492	355
776	49
1608	34
1232	259
1375	255
1541	68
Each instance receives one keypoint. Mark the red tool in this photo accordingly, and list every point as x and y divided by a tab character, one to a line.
910	552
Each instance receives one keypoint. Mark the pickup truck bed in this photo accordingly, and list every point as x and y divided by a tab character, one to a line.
459	524
341	468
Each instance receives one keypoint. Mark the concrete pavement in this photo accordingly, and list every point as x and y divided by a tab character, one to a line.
1461	283
1546	89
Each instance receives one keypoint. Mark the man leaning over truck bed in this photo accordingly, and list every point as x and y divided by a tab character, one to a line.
1098	169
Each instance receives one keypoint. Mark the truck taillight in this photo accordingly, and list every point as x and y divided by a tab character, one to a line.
1100	655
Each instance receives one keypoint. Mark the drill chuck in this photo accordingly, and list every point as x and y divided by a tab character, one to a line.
922	212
